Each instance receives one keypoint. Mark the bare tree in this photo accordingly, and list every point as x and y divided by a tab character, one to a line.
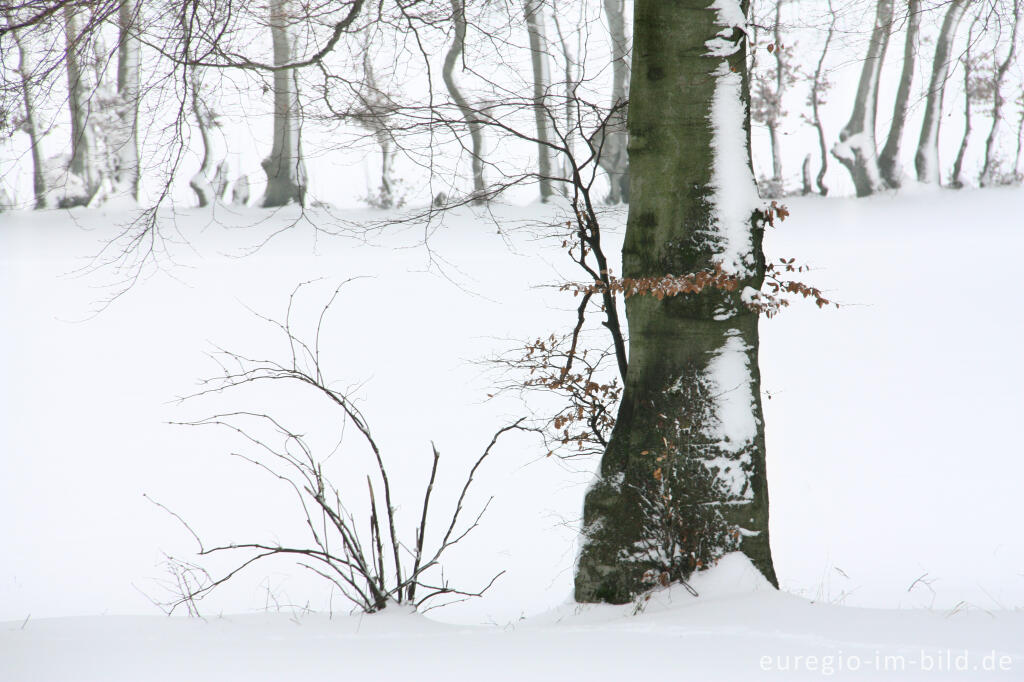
205	182
889	159
973	91
84	178
989	171
126	169
30	124
614	137
285	169
366	558
468	113
534	15
856	148
816	98
926	160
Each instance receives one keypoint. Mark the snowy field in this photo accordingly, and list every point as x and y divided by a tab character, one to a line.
893	429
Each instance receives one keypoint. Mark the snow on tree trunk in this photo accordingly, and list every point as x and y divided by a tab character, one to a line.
683	478
125	173
202	182
84	179
533	12
31	125
240	192
856	148
889	159
448	74
285	169
613	139
926	161
990	168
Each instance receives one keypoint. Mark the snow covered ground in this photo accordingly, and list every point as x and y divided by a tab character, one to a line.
892	425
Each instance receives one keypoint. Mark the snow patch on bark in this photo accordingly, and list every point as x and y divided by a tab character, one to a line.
730	16
729	382
735	194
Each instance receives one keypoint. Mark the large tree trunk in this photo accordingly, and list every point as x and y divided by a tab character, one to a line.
476	134
613	139
857	150
990	169
285	169
82	162
533	11
683	478
926	161
889	160
31	121
125	176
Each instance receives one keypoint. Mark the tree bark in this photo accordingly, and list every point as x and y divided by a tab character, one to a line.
613	139
857	150
31	122
476	135
81	163
533	12
926	161
285	169
202	183
125	176
683	478
958	165
889	160
775	120
571	112
990	168
817	100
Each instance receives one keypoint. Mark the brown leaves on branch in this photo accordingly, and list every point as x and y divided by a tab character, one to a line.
583	422
659	287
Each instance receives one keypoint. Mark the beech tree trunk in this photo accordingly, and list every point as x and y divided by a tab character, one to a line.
125	175
533	12
956	180
683	478
926	161
202	183
857	149
31	121
817	100
889	160
571	112
613	139
82	162
775	120
476	135
990	168
285	169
